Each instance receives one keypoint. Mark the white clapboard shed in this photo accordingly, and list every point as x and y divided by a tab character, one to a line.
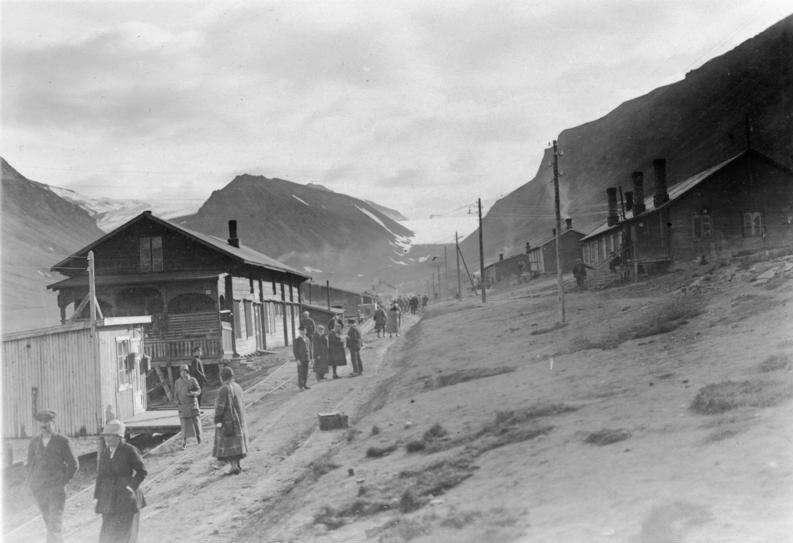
86	375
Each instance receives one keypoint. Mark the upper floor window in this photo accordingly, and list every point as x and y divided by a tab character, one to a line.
151	254
702	226
752	224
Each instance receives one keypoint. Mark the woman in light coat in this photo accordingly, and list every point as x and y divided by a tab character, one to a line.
231	430
119	474
394	318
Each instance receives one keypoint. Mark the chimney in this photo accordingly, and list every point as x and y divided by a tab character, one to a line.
613	217
638	193
500	257
233	240
528	247
629	201
554	232
661	195
569	222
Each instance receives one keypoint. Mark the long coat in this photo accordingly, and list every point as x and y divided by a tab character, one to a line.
338	356
50	467
230	411
394	315
320	347
300	349
380	318
186	392
114	475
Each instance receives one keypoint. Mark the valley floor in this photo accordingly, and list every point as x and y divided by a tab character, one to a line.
660	412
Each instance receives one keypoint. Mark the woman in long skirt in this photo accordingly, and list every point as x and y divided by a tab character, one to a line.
394	316
320	350
118	496
336	352
231	430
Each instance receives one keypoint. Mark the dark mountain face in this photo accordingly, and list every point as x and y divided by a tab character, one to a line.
326	234
39	229
694	124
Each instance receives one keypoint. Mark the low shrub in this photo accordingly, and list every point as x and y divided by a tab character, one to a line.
379	452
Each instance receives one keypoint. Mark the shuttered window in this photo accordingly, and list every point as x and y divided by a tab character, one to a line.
151	255
752	224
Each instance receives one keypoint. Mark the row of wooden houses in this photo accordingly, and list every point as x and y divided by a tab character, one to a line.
742	204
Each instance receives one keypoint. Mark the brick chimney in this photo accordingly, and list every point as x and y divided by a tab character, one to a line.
638	193
660	195
629	200
233	240
528	247
569	222
500	257
613	217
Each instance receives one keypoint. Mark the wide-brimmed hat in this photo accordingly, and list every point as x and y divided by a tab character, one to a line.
114	428
45	415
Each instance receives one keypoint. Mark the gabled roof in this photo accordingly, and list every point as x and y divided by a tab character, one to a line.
538	246
677	190
242	254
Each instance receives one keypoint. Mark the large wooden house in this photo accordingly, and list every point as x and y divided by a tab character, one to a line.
542	257
200	291
744	203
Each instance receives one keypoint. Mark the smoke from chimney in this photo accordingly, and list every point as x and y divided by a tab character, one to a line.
638	193
528	247
660	195
233	240
569	222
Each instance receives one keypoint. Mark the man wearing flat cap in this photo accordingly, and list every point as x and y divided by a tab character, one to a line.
51	464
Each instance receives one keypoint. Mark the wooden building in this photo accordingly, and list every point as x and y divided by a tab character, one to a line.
542	257
86	374
742	204
516	267
348	301
200	291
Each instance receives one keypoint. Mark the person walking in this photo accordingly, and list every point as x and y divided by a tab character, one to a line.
118	496
300	349
320	349
394	317
187	391
51	464
197	372
354	343
579	272
337	355
231	430
311	327
380	320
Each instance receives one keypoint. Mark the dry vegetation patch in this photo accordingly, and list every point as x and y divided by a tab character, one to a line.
721	397
607	436
777	362
462	376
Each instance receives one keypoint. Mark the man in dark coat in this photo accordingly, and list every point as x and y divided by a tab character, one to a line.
51	464
118	496
337	355
320	349
311	327
187	392
354	345
380	318
300	349
579	272
197	371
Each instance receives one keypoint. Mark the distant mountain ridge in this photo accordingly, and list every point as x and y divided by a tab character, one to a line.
694	123
38	229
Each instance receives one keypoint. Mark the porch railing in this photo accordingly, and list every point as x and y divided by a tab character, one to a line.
180	350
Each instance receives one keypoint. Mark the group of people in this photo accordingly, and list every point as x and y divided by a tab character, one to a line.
412	303
51	461
323	349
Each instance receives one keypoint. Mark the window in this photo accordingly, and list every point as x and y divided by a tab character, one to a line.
123	369
248	317
237	320
151	254
702	226
752	224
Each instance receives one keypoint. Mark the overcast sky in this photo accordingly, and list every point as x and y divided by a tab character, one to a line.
421	106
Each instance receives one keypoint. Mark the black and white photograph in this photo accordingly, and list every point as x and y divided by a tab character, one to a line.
354	271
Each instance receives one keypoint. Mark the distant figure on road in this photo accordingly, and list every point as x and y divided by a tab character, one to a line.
301	349
338	357
320	348
197	371
187	391
231	430
579	272
414	304
424	300
119	473
51	464
354	345
394	320
380	320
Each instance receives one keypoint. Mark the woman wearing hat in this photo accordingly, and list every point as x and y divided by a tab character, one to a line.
231	430
118	494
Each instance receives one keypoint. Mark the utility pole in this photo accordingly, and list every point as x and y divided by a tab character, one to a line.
445	292
327	291
92	291
559	282
459	281
481	254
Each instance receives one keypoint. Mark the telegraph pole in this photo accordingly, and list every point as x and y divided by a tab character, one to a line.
559	282
92	291
445	293
481	254
459	280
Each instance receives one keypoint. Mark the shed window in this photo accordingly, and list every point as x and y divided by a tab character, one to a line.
151	259
702	226
122	365
752	224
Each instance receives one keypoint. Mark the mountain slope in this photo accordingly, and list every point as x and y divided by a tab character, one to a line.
39	229
329	235
694	123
